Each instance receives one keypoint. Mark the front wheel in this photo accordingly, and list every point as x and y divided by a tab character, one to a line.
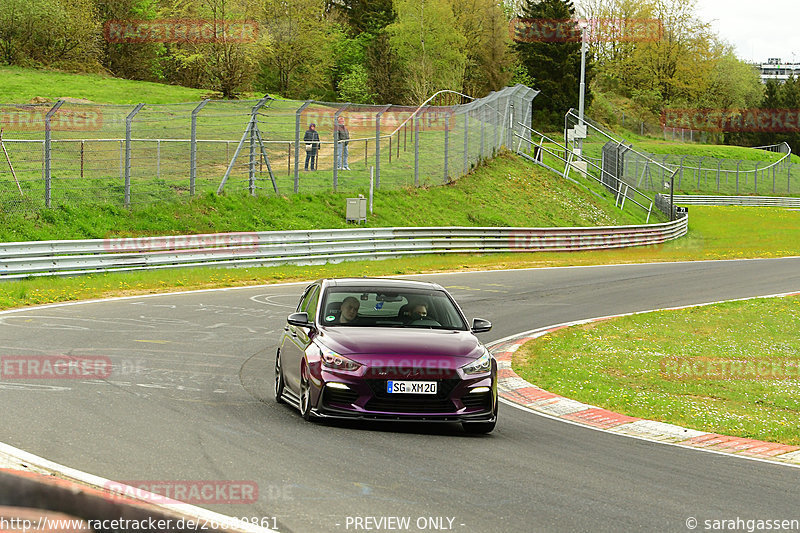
280	384
305	395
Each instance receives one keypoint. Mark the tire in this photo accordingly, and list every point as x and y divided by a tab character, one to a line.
305	394
280	384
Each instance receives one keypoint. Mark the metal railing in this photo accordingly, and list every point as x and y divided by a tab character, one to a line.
562	160
48	258
753	201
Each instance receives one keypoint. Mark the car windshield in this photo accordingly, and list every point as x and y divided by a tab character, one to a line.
402	308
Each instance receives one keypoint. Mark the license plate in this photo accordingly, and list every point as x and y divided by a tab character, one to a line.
411	387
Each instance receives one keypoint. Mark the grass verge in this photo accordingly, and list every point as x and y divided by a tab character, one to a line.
730	368
20	85
714	233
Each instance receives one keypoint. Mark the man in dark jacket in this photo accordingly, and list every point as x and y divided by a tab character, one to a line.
311	140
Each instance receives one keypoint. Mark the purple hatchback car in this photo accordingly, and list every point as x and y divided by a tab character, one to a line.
386	349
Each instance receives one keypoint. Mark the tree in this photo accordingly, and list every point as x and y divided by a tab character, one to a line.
677	66
733	84
136	61
226	63
556	66
368	16
489	61
57	33
384	70
430	47
301	40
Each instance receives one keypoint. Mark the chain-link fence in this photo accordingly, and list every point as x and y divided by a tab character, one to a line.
775	174
74	153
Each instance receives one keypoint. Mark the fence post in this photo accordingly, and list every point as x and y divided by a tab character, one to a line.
158	158
510	134
699	170
378	146
446	146
483	127
739	162
128	124
719	170
297	145
47	151
416	150
789	178
253	139
680	179
466	142
755	178
193	149
251	167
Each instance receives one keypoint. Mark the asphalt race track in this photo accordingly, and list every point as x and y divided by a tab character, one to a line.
190	398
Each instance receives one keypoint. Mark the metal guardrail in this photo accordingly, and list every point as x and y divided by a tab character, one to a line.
49	258
754	201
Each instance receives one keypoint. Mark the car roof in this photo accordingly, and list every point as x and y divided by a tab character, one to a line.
383	283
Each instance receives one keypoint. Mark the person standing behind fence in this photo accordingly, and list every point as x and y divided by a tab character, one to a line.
311	140
344	140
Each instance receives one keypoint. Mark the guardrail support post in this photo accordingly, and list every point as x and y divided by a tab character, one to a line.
47	154
128	124
193	148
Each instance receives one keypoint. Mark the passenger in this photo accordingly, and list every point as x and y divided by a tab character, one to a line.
349	314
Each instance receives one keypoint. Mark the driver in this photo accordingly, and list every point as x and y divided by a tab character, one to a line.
418	311
349	311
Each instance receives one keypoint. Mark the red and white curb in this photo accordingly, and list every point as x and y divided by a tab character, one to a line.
513	388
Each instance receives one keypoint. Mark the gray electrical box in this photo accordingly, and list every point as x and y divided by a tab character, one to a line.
356	209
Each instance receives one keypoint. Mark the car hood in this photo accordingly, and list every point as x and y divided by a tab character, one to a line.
353	341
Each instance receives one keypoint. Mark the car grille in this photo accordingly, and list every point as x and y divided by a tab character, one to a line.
339	396
411	403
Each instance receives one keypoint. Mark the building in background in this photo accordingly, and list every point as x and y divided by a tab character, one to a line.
773	69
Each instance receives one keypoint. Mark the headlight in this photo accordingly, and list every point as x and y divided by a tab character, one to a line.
331	359
481	365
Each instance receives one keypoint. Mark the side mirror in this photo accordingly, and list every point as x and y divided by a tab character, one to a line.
299	319
480	325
